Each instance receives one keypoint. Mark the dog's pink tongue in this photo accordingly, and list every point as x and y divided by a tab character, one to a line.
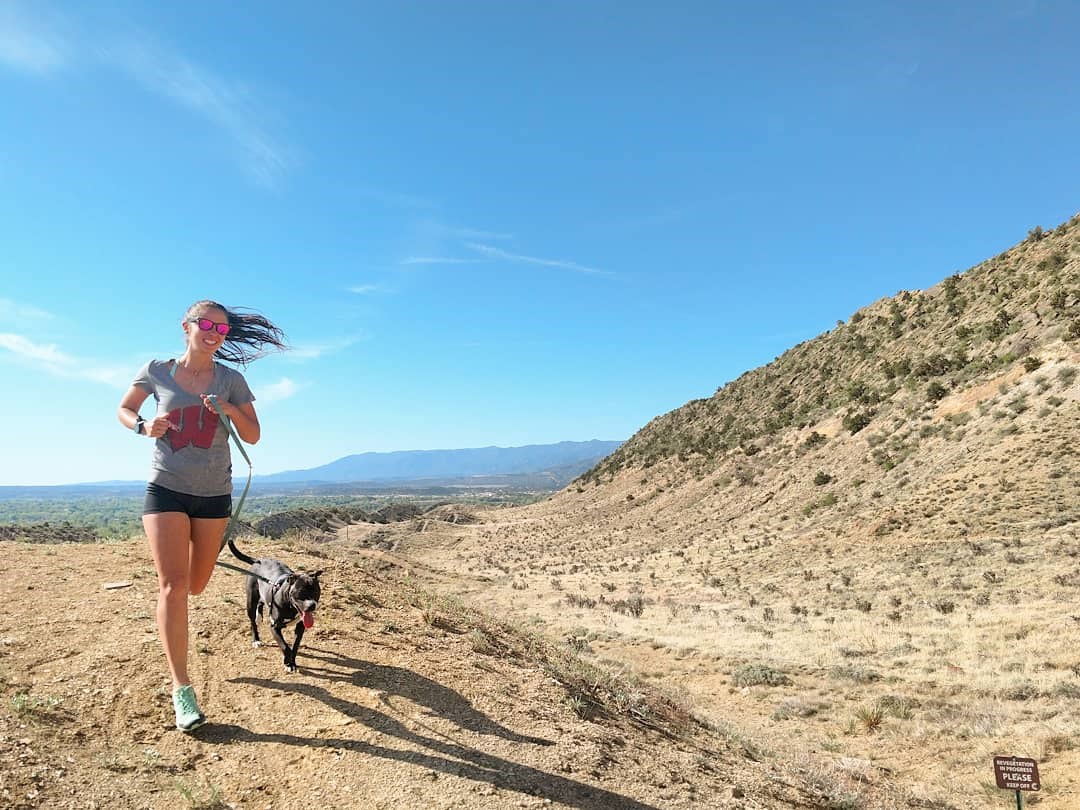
309	619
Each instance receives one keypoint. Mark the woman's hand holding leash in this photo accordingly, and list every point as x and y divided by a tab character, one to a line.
158	426
222	407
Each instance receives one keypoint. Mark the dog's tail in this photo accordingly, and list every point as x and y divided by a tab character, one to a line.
239	554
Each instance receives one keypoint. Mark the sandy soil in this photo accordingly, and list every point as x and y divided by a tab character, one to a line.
387	711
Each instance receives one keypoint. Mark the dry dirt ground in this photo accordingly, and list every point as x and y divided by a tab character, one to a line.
907	620
397	704
920	659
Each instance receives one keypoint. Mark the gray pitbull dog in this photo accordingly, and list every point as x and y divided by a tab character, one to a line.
286	594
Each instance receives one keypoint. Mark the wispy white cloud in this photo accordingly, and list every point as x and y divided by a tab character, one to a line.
42	43
30	45
228	105
365	289
27	349
499	253
282	389
15	311
442	229
438	260
52	360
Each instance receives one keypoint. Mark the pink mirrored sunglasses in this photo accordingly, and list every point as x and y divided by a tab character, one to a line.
205	325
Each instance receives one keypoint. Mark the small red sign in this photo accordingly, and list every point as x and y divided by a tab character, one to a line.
1016	773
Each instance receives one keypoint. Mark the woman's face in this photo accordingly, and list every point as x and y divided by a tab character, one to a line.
209	339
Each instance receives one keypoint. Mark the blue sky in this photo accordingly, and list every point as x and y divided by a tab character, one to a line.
493	223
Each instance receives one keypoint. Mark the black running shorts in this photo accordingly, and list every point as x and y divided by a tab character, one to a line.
160	499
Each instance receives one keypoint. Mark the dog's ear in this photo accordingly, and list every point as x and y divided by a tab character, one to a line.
315	574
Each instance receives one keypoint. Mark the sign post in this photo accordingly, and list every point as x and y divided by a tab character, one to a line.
1016	773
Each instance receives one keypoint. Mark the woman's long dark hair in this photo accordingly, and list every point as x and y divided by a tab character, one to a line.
250	337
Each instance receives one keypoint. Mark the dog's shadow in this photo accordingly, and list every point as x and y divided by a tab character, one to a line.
440	699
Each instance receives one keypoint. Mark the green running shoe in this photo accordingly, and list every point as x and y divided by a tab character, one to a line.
188	716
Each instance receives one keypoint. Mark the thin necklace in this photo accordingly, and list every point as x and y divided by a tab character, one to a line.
195	372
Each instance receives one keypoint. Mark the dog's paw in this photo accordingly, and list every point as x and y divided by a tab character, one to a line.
256	644
290	667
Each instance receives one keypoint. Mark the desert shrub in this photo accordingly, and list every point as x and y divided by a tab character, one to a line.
745	476
829	499
633	605
856	421
932	366
484	642
859	391
896	705
849	672
896	319
822	478
794	707
943	606
1000	325
1052	263
1020	689
577	600
899	369
870	718
1067	689
883	459
759	675
936	391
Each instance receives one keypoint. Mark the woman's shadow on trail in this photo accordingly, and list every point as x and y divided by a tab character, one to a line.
442	753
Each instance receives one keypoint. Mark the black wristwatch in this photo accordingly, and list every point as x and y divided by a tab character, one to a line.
139	422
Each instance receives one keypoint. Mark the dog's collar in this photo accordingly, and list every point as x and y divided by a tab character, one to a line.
279	582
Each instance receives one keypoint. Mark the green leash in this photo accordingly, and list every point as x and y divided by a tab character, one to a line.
234	518
240	446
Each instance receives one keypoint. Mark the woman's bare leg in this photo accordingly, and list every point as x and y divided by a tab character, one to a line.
170	544
206	534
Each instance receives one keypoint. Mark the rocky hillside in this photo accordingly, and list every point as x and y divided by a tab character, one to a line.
967	389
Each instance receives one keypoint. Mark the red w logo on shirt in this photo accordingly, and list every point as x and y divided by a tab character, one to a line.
197	426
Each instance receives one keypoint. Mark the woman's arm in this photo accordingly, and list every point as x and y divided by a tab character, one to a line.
243	417
128	412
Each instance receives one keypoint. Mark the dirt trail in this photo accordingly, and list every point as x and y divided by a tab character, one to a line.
386	711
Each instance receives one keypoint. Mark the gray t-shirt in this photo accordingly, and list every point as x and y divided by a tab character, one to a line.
194	459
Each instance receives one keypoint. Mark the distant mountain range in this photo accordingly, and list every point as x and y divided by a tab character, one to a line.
564	460
536	466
